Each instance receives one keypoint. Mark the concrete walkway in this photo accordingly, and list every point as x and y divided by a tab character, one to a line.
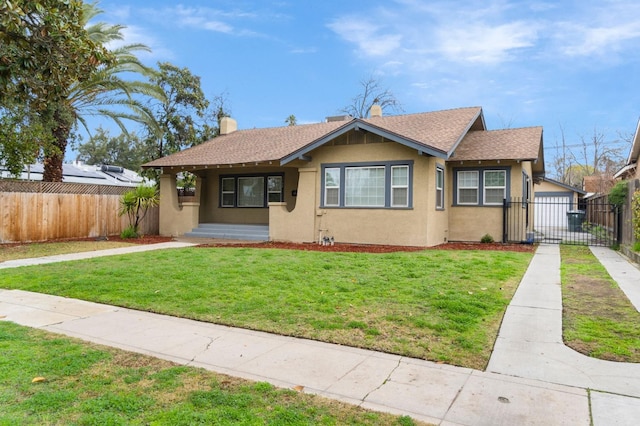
532	378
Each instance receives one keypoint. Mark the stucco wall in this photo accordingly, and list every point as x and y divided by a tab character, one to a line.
175	218
412	226
471	223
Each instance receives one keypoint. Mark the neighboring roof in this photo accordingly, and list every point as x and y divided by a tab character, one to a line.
436	133
82	173
565	186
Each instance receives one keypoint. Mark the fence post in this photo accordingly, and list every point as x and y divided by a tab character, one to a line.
504	220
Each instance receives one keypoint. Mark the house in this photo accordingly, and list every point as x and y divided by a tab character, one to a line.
78	172
631	170
416	179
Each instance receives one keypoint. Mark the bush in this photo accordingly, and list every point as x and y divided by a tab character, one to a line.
129	232
618	194
635	208
486	238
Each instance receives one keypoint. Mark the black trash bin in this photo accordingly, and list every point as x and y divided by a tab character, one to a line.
574	220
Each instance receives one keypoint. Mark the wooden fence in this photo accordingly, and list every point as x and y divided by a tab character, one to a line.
40	211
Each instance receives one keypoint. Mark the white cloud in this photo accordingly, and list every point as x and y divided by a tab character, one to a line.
367	36
137	35
484	43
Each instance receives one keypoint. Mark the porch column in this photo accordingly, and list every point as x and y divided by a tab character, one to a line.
297	225
175	218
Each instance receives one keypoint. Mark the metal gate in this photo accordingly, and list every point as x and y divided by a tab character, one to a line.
594	222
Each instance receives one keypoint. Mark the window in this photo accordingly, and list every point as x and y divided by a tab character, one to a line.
385	185
481	187
495	186
468	187
439	188
251	191
228	192
399	186
364	187
332	186
274	188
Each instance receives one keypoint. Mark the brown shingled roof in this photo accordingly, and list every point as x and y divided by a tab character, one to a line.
508	144
440	131
249	146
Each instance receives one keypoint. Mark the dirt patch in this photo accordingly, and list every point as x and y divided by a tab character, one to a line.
368	248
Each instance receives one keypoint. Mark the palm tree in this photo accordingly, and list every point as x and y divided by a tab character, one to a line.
103	93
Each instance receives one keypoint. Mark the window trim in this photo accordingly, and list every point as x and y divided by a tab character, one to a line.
485	187
265	185
387	187
405	186
440	196
477	187
481	186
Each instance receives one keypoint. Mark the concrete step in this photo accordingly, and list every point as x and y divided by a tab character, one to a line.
230	231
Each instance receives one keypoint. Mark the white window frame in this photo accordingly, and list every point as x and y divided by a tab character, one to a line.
476	187
439	188
335	187
396	187
486	187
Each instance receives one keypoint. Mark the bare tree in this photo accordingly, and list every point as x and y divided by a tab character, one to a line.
593	155
372	93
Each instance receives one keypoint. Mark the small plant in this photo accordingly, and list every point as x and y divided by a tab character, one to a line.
128	232
618	194
486	239
136	203
636	246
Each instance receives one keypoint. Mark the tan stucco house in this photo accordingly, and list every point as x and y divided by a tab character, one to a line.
416	179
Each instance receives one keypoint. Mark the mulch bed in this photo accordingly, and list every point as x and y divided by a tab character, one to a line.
370	248
338	247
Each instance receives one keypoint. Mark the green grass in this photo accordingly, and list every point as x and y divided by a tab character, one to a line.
90	385
439	305
598	318
29	250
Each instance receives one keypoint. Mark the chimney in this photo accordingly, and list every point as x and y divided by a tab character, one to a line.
375	111
228	125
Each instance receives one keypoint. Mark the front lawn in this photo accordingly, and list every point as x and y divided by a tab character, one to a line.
439	305
47	379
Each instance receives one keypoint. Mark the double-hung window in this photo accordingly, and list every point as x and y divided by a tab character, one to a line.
468	187
365	185
332	186
399	186
495	186
481	187
439	188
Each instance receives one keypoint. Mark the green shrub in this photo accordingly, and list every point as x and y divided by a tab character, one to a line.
635	208
618	194
486	238
129	232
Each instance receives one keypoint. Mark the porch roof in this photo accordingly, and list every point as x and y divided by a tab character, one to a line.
522	144
435	133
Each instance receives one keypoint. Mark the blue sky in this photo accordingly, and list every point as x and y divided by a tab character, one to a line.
573	65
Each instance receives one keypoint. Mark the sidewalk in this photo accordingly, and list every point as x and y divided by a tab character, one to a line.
532	378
